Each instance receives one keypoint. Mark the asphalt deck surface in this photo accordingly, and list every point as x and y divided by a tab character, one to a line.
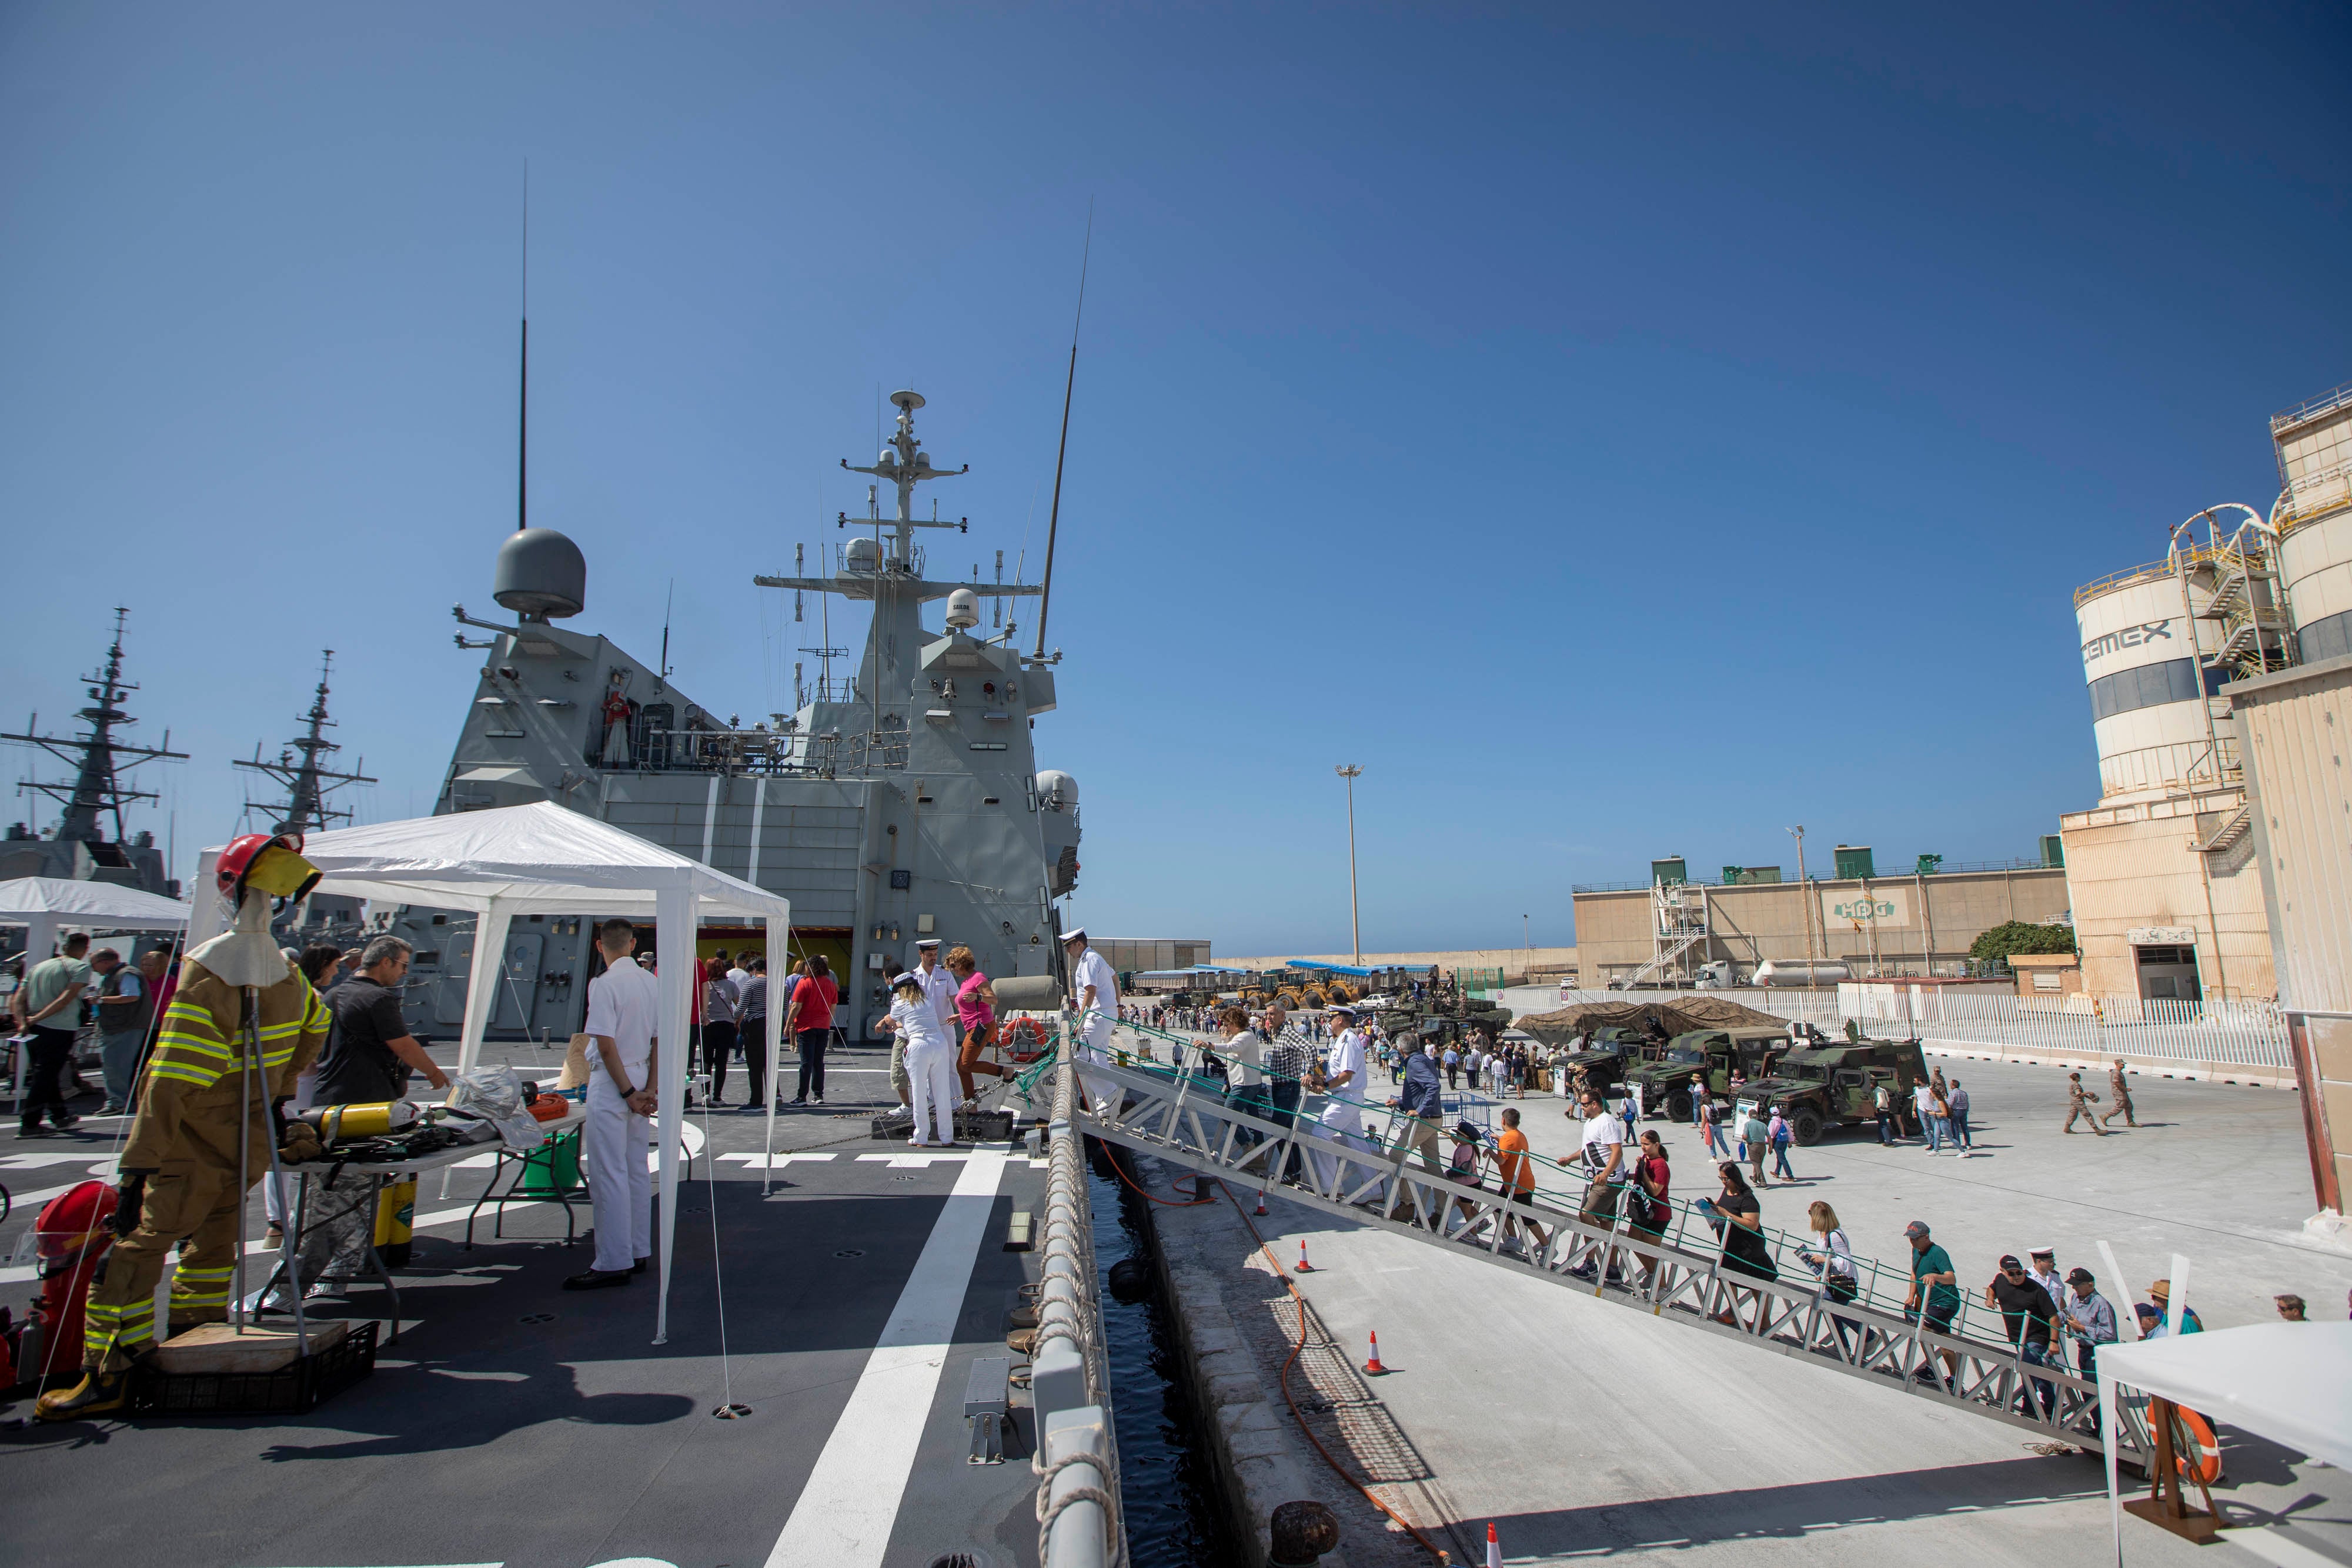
516	1423
1585	1430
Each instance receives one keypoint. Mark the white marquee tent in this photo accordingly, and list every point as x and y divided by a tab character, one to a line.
542	859
45	906
2291	1383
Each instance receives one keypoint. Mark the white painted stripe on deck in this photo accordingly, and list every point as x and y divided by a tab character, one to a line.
850	1501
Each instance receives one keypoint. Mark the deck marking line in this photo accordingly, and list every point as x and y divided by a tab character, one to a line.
850	1501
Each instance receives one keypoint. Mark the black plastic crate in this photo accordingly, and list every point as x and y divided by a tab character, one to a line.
291	1390
972	1127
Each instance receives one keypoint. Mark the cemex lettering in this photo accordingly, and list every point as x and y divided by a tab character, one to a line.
2127	637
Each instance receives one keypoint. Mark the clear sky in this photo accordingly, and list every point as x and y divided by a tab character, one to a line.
1623	436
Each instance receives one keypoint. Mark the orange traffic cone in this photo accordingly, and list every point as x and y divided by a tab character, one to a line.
1373	1368
1260	1202
1304	1266
1494	1547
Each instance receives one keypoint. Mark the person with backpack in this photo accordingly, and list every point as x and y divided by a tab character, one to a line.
1884	1099
1780	1134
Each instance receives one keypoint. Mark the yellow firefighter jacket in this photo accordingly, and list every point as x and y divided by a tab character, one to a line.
188	1101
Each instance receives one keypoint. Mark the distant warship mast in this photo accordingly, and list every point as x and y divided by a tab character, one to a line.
99	758
300	769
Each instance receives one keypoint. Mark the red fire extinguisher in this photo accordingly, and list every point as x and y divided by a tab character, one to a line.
75	1234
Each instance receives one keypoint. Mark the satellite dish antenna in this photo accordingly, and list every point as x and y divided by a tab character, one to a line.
905	401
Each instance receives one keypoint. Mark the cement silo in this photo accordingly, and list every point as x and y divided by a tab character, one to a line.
2314	519
2149	643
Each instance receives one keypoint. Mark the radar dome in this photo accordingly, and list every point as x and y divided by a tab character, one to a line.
541	575
1058	789
964	609
862	555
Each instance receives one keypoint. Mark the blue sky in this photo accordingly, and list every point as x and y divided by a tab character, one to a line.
1621	436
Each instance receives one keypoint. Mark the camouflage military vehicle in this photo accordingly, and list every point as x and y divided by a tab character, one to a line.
1610	1054
1665	1082
1835	1083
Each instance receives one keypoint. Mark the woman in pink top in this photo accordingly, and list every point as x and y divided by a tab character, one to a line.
976	1010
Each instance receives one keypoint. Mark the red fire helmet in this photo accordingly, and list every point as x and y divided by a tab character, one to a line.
247	851
70	1221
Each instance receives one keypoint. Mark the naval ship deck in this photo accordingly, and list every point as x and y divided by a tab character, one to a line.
493	1434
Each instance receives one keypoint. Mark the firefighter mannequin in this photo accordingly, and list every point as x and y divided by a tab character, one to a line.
202	1132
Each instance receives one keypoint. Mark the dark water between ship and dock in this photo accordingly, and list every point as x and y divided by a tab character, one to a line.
1168	1487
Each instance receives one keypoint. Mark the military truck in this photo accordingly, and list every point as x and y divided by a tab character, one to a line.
1609	1055
1665	1082
1835	1083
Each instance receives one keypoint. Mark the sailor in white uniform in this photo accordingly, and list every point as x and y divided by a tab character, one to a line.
1343	1080
1094	990
624	1003
931	1060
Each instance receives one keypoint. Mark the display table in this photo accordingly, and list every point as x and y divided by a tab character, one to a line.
374	1176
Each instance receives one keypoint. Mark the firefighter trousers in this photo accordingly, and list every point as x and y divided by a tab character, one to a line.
201	1206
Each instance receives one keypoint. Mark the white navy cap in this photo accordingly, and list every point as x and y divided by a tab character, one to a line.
1075	933
909	979
926	941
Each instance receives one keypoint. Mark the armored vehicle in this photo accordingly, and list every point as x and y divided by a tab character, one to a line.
1713	1052
1611	1054
1836	1084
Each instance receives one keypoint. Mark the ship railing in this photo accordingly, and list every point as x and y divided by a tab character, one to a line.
1080	1521
768	752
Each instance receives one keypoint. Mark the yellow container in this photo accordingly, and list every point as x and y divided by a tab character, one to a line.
395	1216
339	1121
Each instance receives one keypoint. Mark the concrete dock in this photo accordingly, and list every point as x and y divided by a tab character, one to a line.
1585	1430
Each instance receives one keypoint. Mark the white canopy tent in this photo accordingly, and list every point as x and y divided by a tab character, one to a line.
45	906
540	859
2291	1383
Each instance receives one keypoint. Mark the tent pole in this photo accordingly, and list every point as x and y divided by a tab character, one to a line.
481	992
674	918
779	947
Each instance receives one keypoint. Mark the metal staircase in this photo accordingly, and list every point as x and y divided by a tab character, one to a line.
1143	1104
1677	925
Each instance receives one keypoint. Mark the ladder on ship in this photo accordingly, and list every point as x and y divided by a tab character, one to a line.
1141	1103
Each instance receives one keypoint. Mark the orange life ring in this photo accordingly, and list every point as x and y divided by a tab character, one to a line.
2206	1466
1023	1040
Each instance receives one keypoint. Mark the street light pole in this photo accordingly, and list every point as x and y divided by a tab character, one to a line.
1350	772
1527	933
1805	886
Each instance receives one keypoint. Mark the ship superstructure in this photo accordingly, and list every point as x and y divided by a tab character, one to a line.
79	847
899	802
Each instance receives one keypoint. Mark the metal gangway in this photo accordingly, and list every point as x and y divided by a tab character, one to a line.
1155	1095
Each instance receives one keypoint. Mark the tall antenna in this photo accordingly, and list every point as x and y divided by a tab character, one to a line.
522	419
1054	519
667	599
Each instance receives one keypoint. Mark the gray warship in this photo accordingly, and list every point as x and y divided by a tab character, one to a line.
78	848
897	802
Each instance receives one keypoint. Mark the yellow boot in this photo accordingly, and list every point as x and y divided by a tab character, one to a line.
97	1394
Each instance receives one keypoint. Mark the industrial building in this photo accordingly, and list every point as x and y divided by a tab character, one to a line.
2167	898
1127	954
1669	930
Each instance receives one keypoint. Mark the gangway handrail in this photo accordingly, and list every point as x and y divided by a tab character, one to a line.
1186	1119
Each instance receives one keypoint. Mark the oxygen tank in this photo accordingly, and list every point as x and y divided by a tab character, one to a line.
395	1217
364	1121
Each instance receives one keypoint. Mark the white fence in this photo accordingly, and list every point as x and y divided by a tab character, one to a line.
2198	1035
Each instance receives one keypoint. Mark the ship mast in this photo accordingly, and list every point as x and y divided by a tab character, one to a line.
98	757
306	781
891	575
